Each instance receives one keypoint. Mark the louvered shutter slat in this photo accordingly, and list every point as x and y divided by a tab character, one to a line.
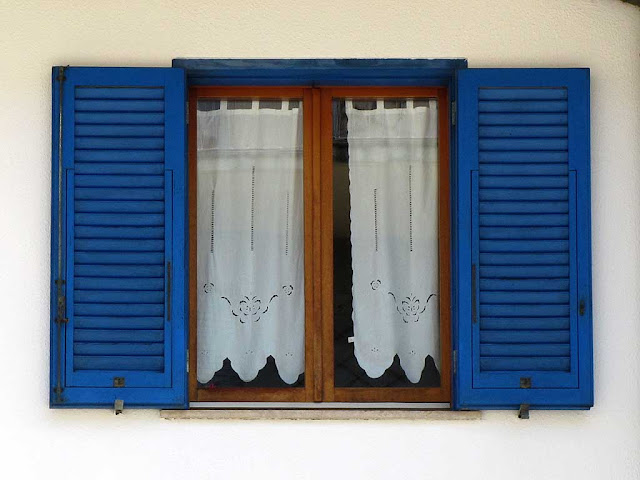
136	323
514	349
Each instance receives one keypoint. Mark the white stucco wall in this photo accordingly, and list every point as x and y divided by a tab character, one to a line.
603	443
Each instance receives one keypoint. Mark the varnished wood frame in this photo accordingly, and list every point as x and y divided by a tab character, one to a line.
318	225
312	364
409	394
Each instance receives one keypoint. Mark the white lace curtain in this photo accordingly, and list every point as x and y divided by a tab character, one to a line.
393	174
250	240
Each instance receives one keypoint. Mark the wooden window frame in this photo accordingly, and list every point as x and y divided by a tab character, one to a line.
385	394
254	394
318	241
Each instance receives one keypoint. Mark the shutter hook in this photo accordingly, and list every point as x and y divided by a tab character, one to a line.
523	412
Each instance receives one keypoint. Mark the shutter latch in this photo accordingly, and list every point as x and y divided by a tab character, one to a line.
118	406
455	362
523	412
61	303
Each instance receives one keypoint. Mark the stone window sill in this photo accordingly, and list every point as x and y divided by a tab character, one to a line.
318	414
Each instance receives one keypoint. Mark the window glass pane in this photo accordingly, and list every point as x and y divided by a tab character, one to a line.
250	255
386	313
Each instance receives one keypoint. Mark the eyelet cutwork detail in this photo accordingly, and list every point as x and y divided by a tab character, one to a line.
410	214
251	309
411	307
286	230
375	217
253	201
287	289
213	217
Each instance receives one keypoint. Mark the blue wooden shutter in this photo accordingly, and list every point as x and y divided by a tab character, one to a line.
123	334
524	331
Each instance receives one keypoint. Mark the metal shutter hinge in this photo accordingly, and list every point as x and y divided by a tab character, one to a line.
454	112
186	109
61	77
118	406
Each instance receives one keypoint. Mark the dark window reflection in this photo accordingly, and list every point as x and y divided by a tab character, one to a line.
267	377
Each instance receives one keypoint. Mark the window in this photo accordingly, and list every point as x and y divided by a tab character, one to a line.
251	244
385	237
324	240
256	333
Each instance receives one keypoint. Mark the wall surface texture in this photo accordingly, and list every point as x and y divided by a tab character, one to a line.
603	443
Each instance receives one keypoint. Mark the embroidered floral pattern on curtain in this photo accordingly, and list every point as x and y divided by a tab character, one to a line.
393	175
250	240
